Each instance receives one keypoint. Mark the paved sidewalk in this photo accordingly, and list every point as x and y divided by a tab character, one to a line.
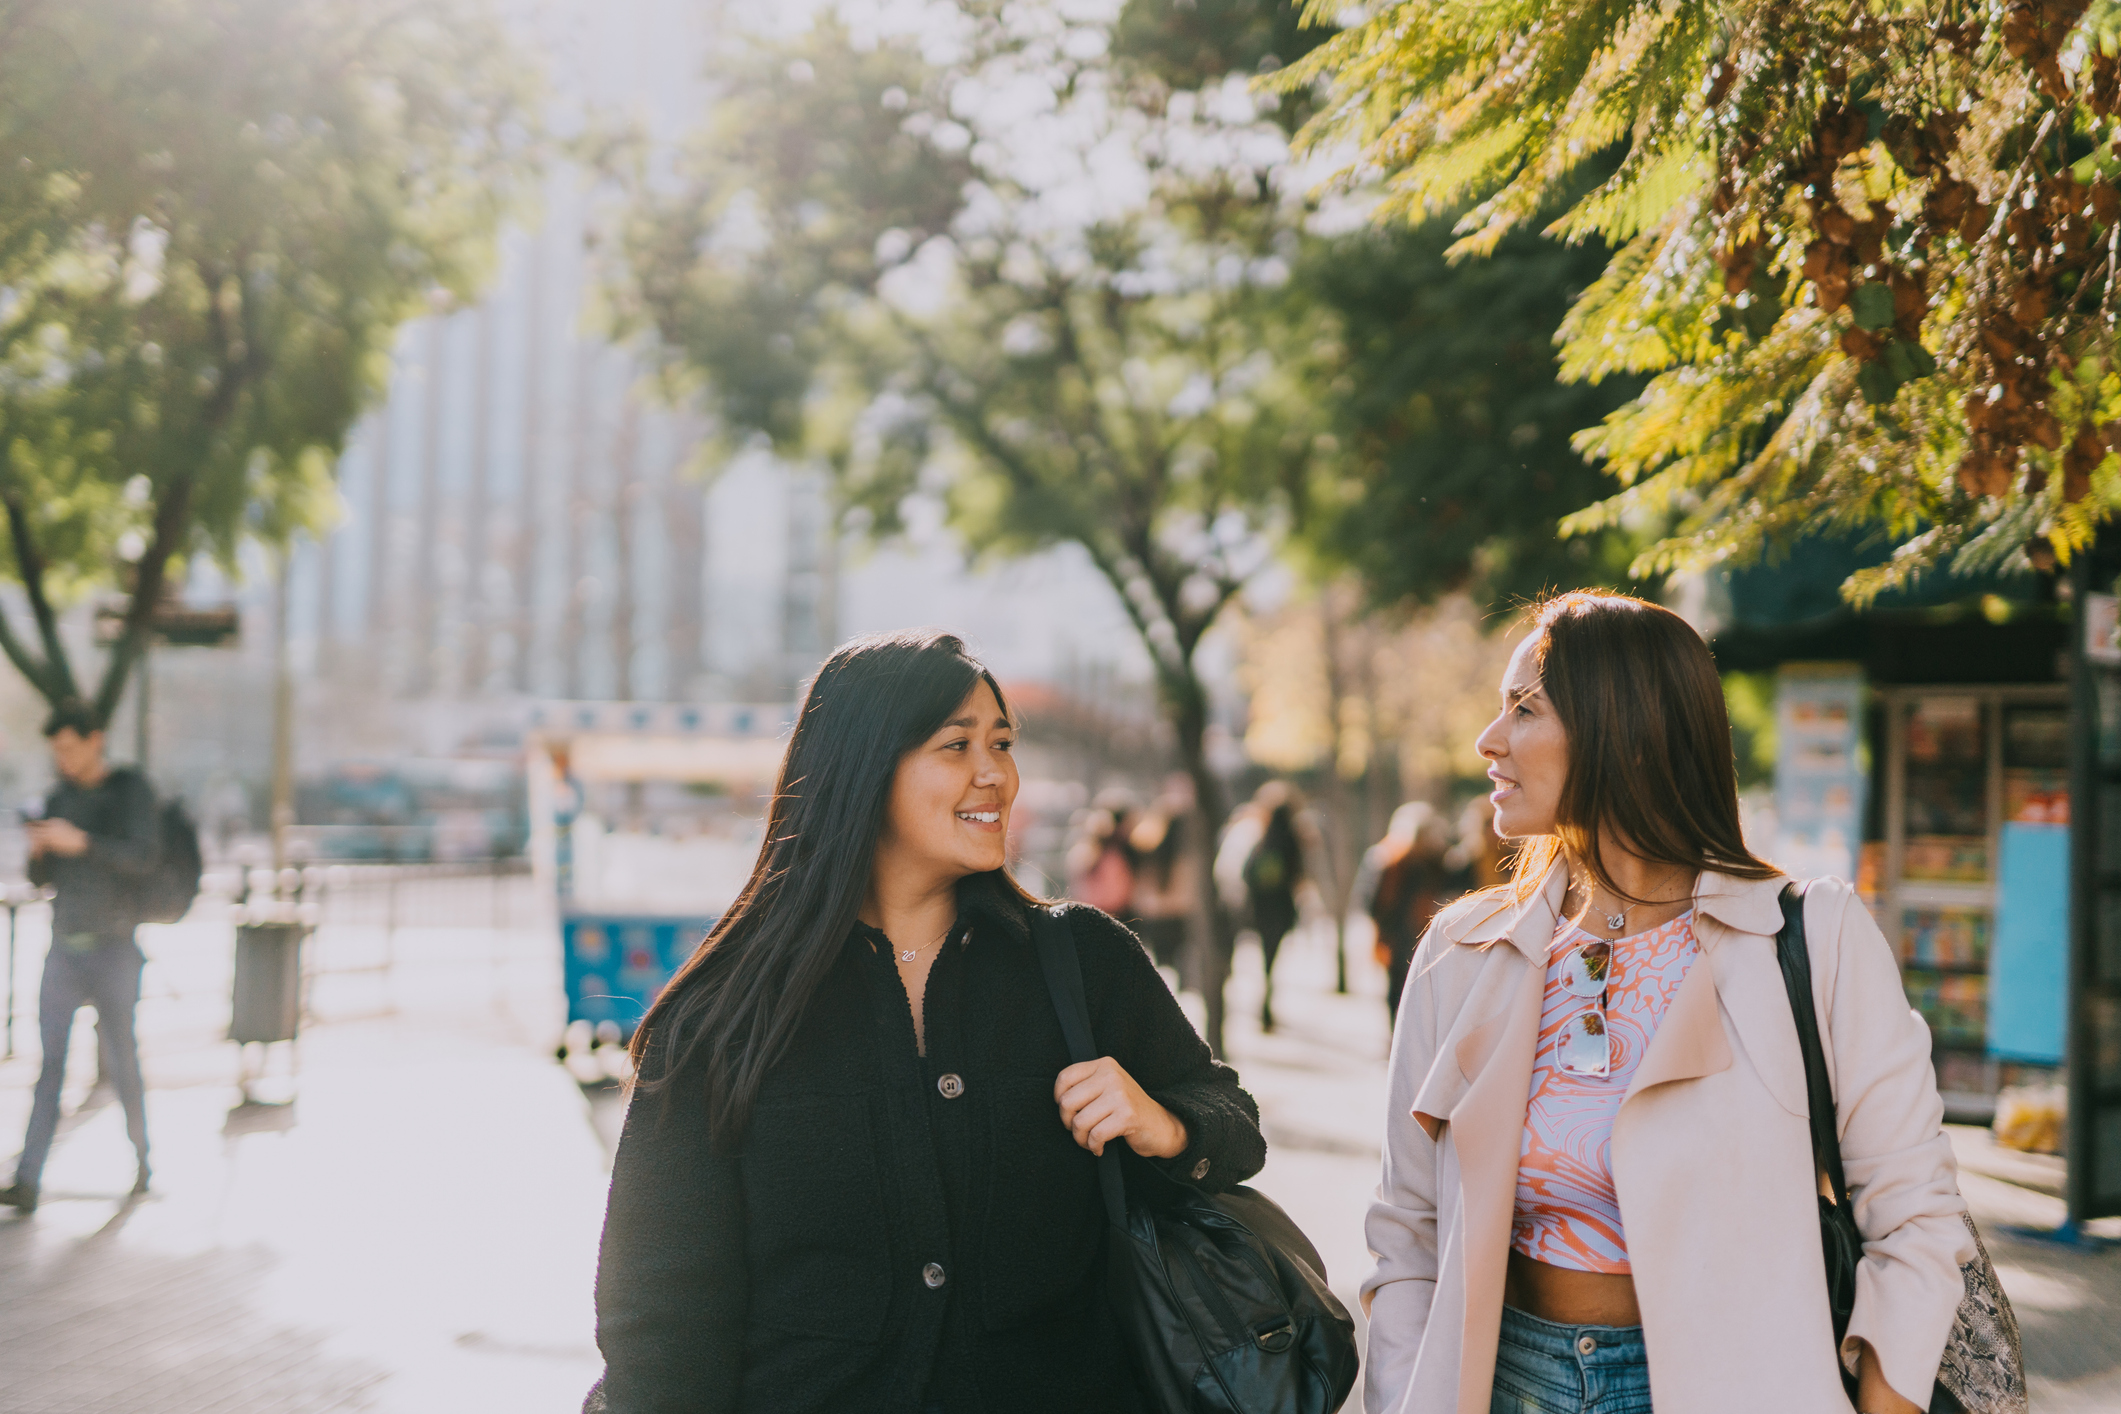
2068	1300
414	1233
1319	1077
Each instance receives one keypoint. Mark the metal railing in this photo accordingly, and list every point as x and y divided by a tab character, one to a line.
14	898
485	895
473	894
355	912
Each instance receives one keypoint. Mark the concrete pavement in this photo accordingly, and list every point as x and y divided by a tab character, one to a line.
1319	1077
415	1232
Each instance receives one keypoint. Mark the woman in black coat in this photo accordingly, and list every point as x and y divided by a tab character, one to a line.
858	1172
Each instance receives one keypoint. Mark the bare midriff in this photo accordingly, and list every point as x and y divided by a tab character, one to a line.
1570	1298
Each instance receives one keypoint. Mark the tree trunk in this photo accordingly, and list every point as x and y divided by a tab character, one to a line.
1213	944
1342	845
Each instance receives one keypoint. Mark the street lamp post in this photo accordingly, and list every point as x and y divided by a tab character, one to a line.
9	899
143	706
283	723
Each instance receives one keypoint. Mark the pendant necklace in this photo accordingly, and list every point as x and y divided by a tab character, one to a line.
909	954
1613	921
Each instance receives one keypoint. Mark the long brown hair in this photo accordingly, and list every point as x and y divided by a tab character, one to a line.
1650	753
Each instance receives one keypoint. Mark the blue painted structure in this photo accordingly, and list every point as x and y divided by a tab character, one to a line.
2028	968
615	963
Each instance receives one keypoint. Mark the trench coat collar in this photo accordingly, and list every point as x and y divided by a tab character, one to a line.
1527	923
1744	905
1492	1040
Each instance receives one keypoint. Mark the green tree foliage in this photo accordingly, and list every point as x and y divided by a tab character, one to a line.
1865	249
873	271
1455	464
1749	698
213	217
1437	379
1187	47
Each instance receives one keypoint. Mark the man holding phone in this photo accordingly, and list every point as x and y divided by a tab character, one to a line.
96	844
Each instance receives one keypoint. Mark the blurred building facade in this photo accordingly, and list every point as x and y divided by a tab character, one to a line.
524	517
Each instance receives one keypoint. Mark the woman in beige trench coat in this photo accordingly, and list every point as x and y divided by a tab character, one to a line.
1612	761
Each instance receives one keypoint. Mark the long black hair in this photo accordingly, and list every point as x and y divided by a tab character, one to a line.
731	1010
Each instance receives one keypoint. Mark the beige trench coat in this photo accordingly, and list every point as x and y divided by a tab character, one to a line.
1711	1162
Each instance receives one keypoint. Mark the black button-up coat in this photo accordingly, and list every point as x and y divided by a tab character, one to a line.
896	1229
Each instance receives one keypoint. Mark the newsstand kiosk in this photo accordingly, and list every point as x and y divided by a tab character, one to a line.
645	819
1956	749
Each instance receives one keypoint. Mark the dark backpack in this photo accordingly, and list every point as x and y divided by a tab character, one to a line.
168	891
1266	867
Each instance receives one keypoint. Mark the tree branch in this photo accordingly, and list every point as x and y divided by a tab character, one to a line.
1115	574
25	662
56	680
239	369
964	418
1194	627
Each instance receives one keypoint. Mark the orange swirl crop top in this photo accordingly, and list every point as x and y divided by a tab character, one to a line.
1567	1214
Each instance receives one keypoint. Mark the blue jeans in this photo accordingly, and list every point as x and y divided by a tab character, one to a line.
1544	1368
105	976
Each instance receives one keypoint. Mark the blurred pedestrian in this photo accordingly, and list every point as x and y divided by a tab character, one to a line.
1483	855
95	845
1100	862
857	1170
1406	880
1273	868
1166	872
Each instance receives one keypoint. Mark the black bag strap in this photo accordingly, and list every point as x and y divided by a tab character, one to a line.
1064	981
1795	954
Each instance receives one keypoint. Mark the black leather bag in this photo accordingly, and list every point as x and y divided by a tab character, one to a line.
1223	1299
1983	1371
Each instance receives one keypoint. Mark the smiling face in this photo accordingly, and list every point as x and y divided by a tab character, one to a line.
949	809
1527	751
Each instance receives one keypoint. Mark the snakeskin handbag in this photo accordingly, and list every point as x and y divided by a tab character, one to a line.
1983	1370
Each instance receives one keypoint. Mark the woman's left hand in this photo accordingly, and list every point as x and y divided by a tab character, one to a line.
1099	1102
1873	1394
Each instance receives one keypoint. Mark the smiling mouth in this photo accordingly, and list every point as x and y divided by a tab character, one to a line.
981	817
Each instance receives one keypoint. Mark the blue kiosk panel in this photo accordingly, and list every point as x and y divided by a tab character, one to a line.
2028	973
615	963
